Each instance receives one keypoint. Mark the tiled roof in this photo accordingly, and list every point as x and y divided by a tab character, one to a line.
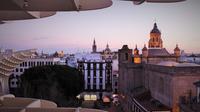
158	52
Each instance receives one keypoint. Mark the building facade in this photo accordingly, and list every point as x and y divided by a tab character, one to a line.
97	75
14	79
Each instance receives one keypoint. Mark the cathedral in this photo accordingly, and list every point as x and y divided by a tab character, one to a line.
155	80
155	52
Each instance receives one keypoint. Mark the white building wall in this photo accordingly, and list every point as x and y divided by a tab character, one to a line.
28	63
104	78
97	77
91	79
85	78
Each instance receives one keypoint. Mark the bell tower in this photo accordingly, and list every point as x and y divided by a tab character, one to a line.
155	40
94	47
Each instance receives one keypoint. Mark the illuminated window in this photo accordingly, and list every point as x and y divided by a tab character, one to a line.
137	60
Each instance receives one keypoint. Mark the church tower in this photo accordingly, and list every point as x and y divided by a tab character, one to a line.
136	58
94	47
177	51
155	40
144	51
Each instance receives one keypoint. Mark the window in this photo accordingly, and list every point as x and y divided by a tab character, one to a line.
25	64
88	86
100	80
17	70
94	73
126	56
21	70
17	76
94	86
94	81
101	66
115	90
100	73
88	81
94	66
100	87
115	83
88	66
17	82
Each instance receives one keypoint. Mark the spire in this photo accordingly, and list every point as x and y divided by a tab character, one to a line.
155	26
94	42
94	47
107	46
136	47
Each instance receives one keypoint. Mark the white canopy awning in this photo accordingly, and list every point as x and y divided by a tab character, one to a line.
33	9
21	15
138	2
53	5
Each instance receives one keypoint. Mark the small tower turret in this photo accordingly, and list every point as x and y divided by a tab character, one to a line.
125	54
137	58
144	51
136	51
177	51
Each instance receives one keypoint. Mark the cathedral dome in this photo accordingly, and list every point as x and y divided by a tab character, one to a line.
155	29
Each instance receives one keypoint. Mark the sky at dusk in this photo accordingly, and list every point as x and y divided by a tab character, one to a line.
122	23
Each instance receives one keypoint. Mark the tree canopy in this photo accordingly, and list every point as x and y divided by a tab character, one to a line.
57	83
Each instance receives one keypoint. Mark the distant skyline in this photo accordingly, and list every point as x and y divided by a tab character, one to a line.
122	23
